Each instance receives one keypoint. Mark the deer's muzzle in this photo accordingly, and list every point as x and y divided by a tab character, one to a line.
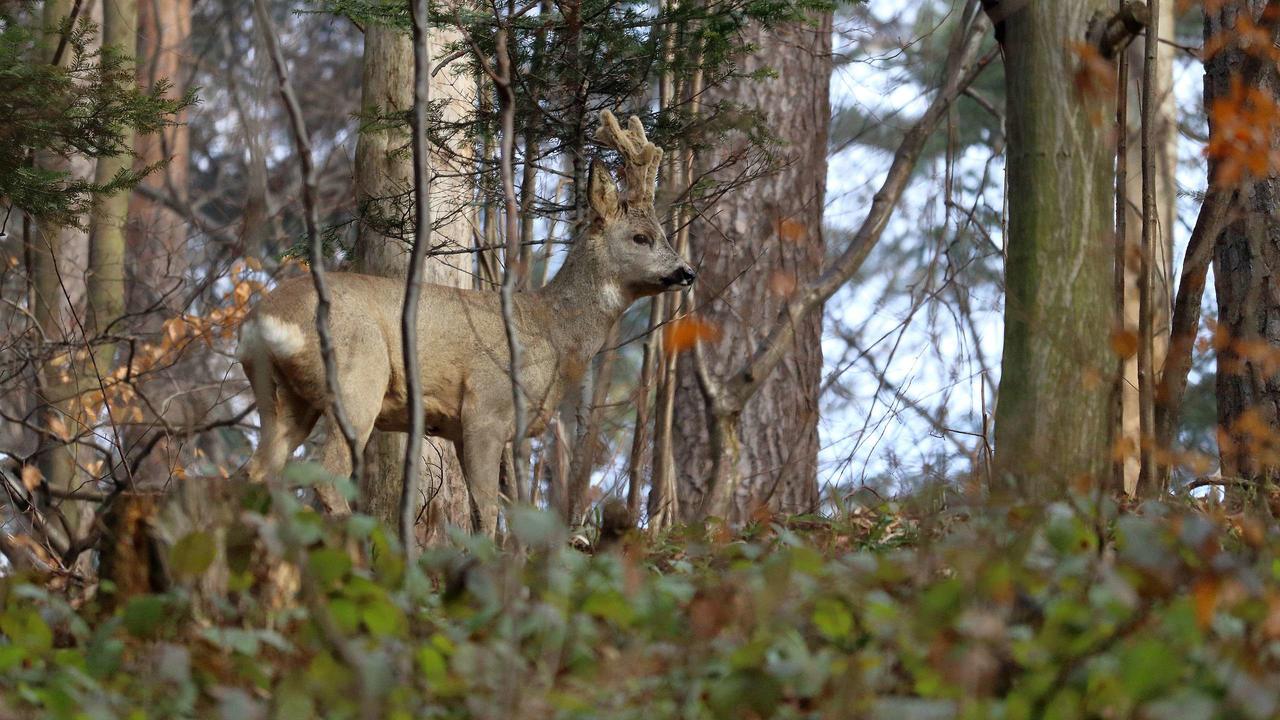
683	277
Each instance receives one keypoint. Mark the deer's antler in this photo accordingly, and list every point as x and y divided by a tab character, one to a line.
640	156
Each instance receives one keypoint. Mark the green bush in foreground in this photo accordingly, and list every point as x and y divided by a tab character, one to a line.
1165	613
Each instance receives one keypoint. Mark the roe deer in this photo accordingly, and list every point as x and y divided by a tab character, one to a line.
462	346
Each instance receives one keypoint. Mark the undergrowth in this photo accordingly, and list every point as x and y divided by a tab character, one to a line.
1165	611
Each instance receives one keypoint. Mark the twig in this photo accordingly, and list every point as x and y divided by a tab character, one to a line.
1118	261
511	272
413	277
1147	479
303	144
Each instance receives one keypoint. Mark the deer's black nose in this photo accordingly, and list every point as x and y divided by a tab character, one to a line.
683	277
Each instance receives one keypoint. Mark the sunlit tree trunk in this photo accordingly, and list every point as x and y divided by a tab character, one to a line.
1162	279
752	250
1244	262
1052	417
383	171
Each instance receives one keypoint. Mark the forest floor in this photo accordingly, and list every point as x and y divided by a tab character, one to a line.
920	608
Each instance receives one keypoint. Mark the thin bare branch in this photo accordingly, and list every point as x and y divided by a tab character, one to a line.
413	277
302	142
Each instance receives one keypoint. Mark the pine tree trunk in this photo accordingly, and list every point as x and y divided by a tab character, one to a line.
1244	262
157	236
384	171
756	245
1052	417
157	256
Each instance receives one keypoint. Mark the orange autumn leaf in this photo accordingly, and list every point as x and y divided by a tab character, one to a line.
1124	343
1095	76
242	292
31	477
791	230
1241	139
683	333
1271	624
782	283
1205	595
59	428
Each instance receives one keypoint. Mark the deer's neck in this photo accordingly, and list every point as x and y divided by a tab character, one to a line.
586	301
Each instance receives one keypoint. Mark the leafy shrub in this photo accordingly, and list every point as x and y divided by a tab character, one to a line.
1168	612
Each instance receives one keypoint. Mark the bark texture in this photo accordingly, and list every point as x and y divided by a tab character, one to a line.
1245	261
752	250
106	288
1052	418
384	172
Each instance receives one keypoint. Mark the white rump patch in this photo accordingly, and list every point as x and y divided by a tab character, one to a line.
281	337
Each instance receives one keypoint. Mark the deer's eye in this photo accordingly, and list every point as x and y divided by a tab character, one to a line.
641	239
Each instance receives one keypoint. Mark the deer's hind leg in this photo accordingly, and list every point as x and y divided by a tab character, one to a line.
285	421
362	386
482	444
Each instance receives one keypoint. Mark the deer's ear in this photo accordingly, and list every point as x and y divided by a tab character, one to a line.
604	192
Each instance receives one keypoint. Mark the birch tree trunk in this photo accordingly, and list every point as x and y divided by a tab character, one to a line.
1052	417
383	171
751	251
1162	279
1245	262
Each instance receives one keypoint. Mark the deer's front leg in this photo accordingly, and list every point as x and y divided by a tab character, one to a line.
482	445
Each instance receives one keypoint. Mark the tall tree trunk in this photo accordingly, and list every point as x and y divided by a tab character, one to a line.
1052	417
157	255
1166	133
57	263
383	170
1245	260
754	247
157	236
105	277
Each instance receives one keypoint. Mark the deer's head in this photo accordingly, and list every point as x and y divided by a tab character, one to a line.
631	244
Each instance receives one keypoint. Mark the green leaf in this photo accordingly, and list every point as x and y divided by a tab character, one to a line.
432	665
536	528
832	618
192	555
328	566
383	618
11	656
345	613
610	605
26	629
104	655
143	615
